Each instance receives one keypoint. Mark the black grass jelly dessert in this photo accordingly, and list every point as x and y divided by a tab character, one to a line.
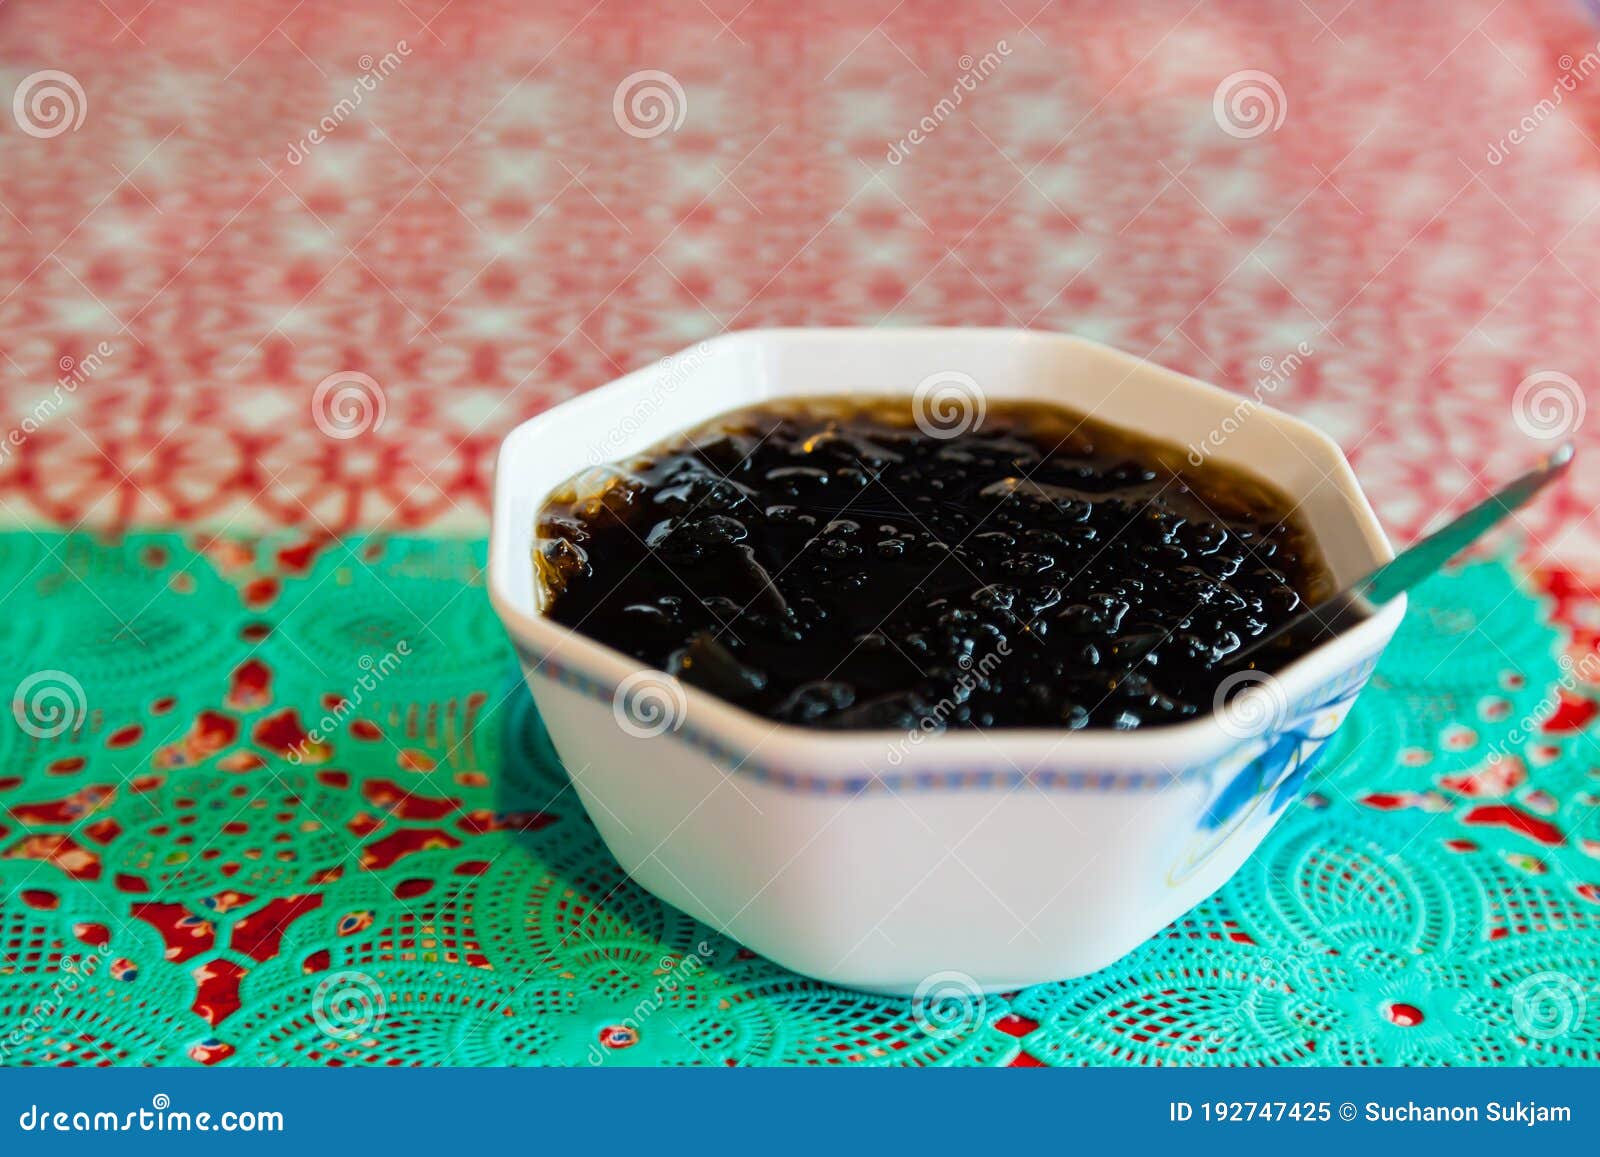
832	563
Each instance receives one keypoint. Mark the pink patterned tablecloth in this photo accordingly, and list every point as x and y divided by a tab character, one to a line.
482	238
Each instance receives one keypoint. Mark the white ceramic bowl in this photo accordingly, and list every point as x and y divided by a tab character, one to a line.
890	862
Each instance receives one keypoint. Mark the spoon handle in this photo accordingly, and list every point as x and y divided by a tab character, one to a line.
1408	568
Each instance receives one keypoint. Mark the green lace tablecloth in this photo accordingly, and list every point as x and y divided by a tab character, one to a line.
286	802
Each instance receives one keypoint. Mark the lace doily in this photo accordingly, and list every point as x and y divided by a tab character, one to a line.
191	876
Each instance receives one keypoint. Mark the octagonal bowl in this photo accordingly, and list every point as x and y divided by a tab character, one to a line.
914	862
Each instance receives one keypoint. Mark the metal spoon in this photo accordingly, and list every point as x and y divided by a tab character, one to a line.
1357	601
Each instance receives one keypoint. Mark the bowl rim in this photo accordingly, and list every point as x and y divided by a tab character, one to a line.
1177	748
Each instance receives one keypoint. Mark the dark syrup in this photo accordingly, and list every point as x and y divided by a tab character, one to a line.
831	565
